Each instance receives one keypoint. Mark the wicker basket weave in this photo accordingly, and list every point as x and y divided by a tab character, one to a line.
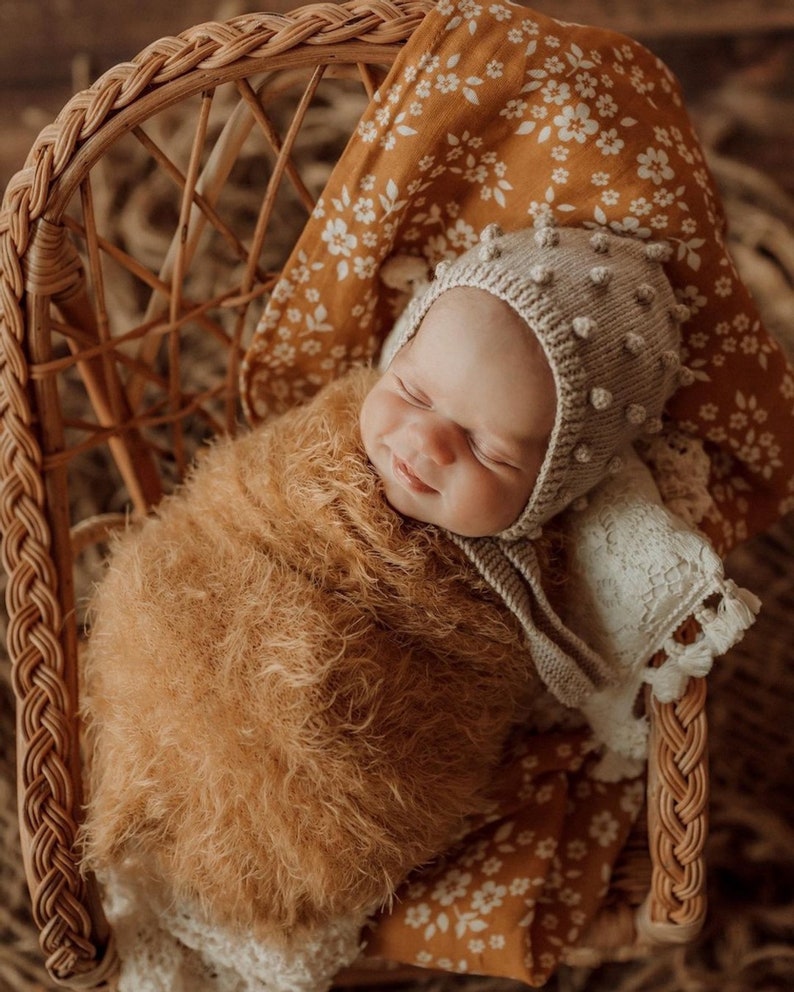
119	357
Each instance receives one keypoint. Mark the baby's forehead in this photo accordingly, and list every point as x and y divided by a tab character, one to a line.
478	311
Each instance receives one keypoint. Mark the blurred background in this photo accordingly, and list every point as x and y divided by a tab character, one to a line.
735	61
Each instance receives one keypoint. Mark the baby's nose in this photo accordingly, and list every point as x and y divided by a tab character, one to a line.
436	439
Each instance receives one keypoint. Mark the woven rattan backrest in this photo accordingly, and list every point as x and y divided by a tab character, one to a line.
138	242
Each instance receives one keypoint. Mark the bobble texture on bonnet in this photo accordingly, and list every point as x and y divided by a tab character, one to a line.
608	321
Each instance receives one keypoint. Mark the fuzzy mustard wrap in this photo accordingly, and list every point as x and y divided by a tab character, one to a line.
293	696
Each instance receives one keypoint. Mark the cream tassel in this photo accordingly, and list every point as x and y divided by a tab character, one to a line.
721	629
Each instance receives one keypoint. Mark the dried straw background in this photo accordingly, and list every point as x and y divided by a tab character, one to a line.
747	944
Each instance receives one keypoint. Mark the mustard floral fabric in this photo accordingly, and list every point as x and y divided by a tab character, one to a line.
524	883
494	112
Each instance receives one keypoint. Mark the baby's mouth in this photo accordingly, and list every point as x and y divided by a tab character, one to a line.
407	478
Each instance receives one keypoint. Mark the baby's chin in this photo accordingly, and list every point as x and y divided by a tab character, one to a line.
408	509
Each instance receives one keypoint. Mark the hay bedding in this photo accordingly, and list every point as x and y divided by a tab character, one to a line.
747	943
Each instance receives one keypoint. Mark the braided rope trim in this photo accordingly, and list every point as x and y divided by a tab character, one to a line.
47	731
678	789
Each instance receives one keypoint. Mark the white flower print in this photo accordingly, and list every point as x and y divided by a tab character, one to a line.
585	85
723	286
462	235
284	353
495	69
640	206
519	886
363	210
365	268
604	828
513	109
500	12
489	897
336	236
664	197
282	291
639	81
496	941
492	866
556	92
367	131
447	82
633	796
569	896
469	11
451	887
610	142
428	62
654	165
575	123
576	850
606	106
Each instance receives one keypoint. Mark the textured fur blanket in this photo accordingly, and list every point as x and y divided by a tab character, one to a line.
292	695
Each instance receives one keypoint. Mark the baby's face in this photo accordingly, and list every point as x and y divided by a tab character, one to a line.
457	427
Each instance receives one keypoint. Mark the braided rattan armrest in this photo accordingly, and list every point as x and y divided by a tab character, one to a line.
40	274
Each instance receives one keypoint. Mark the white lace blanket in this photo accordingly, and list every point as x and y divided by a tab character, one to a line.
168	948
637	572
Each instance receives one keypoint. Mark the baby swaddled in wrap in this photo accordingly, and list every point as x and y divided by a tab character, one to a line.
304	669
273	671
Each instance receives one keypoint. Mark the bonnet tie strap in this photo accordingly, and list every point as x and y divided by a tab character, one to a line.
569	668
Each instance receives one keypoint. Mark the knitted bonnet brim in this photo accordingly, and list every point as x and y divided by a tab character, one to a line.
607	319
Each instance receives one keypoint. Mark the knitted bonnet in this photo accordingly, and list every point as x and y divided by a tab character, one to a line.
606	317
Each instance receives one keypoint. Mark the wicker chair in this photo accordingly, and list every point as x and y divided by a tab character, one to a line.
120	348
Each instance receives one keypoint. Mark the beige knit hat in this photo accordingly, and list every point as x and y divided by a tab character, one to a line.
606	317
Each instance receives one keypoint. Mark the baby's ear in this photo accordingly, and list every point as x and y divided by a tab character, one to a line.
406	273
